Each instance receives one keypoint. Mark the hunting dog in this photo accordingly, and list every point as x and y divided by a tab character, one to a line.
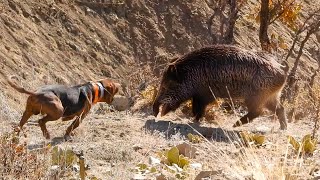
60	101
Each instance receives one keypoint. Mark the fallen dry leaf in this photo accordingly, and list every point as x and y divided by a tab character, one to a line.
204	174
187	150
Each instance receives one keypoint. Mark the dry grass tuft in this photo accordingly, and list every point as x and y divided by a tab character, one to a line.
274	159
305	103
17	162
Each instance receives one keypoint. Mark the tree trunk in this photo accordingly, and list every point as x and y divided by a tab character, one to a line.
264	23
229	37
227	20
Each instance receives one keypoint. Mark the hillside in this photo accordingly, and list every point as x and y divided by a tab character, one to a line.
71	42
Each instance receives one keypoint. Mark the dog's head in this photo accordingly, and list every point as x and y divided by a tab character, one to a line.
110	89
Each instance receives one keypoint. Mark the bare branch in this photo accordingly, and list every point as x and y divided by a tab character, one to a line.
300	30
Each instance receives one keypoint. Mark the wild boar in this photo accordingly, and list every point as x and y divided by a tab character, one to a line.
223	71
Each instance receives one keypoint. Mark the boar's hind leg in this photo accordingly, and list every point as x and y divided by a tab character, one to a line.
282	117
247	118
275	106
198	108
254	110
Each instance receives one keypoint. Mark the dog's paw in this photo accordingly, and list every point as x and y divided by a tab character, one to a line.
47	136
16	128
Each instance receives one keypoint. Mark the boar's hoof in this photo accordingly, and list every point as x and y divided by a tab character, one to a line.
237	124
283	127
196	120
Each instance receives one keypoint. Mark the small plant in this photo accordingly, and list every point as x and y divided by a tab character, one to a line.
306	146
145	169
250	138
194	138
149	93
172	156
170	161
62	157
286	11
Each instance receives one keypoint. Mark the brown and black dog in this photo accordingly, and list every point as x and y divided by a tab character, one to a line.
60	101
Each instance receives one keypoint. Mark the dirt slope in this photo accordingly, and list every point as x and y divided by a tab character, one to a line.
45	42
61	41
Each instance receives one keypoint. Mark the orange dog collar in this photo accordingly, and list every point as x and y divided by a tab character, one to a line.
97	87
95	92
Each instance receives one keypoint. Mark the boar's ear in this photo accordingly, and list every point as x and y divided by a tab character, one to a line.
173	73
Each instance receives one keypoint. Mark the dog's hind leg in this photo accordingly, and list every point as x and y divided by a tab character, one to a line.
29	111
42	124
50	105
26	115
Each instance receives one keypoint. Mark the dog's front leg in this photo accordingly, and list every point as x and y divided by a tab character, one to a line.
74	125
76	122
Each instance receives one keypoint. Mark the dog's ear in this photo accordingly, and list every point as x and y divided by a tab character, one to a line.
111	87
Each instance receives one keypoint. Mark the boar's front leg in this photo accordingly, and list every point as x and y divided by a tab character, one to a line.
198	108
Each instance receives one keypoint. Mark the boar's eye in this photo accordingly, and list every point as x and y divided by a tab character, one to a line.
170	85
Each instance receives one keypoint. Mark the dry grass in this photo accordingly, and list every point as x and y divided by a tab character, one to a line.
113	143
17	162
109	150
276	159
305	104
272	161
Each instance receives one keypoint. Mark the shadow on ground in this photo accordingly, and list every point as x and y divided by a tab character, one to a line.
170	128
54	141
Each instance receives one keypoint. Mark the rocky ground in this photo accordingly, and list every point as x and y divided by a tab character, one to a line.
71	42
113	144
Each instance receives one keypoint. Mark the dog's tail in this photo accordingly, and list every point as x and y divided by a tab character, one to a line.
18	88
